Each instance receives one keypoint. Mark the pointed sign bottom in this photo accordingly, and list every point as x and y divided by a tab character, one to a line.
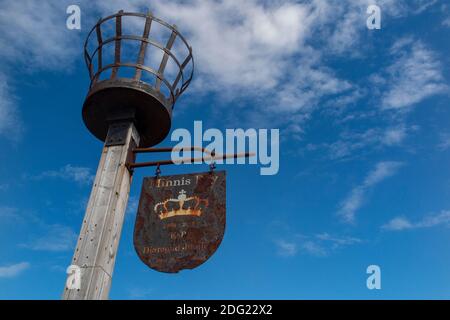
181	220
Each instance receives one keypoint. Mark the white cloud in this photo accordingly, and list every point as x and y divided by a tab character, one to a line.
309	84
81	175
13	270
34	33
255	50
33	37
350	21
271	52
402	223
10	124
319	245
396	224
394	135
286	248
351	144
343	23
238	44
57	238
382	171
444	143
414	76
42	236
356	198
9	213
313	248
423	5
446	22
338	241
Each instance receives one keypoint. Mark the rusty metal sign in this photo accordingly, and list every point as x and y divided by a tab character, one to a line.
181	220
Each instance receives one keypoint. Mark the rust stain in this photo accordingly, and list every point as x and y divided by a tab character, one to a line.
181	220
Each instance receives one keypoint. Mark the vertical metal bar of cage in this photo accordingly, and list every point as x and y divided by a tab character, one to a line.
180	73
117	44
100	49
143	49
89	64
165	58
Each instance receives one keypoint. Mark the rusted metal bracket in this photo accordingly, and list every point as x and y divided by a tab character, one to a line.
117	134
211	156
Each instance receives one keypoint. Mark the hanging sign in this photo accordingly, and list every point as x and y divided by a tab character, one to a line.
181	220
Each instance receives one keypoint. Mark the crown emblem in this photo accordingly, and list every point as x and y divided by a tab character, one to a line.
176	207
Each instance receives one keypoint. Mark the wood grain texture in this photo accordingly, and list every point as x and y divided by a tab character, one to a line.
97	244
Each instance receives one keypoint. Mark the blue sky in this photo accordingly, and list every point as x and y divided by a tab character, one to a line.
364	151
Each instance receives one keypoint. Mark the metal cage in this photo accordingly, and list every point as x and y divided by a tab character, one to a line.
139	76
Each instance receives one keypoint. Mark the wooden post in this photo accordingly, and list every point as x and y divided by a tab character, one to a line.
96	249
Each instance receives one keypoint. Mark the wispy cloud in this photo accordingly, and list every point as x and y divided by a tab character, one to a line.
139	293
41	236
414	76
394	135
34	38
337	242
446	22
35	34
11	126
260	55
13	270
399	223
423	5
238	44
356	198
272	52
403	223
286	248
9	213
352	144
319	245
56	238
444	143
81	175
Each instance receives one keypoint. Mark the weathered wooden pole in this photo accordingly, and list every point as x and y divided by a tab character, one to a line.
97	244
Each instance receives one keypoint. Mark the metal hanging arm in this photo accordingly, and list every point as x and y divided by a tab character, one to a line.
155	150
211	156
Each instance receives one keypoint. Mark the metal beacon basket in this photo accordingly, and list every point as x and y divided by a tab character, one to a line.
139	66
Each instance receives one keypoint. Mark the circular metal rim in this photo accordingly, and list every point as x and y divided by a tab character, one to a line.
152	106
190	57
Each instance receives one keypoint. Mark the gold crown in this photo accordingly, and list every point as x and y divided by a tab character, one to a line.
193	210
